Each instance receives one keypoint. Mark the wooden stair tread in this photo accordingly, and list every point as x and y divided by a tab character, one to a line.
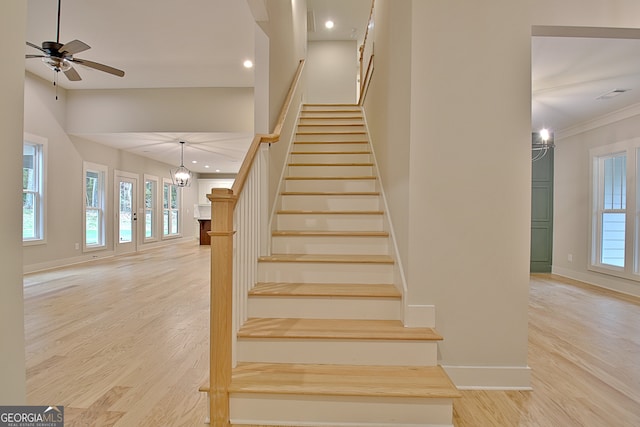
322	233
330	152
342	380
372	381
340	329
331	164
329	178
339	259
336	132
277	289
331	142
329	124
305	116
330	193
305	212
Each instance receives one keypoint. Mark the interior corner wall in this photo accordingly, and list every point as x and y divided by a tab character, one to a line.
466	195
571	202
13	21
332	70
45	117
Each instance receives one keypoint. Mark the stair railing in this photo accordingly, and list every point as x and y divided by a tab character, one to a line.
366	56
234	256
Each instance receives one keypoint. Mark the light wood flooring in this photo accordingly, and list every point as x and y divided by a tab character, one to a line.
124	342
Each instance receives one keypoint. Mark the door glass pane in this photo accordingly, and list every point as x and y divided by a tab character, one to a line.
613	233
126	212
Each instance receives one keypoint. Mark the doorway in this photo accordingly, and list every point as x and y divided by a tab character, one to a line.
126	209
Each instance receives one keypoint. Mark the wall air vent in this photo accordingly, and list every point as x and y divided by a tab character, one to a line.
613	93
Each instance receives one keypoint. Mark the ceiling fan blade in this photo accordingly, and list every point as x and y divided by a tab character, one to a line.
72	75
74	46
97	66
34	56
35	46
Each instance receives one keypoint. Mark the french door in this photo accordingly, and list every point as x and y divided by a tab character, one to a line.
126	221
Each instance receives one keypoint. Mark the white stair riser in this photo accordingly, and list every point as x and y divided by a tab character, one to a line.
348	119
330	171
337	202
339	411
331	128
339	137
309	272
346	245
330	108
328	222
330	185
329	351
342	146
325	307
331	158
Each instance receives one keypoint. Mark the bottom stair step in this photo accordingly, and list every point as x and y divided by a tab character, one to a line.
340	395
342	380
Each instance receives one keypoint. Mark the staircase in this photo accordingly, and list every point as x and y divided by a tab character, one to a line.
324	344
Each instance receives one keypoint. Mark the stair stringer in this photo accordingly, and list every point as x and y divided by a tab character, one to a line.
412	316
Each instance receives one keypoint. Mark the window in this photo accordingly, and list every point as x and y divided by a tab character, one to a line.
170	210
94	223
33	197
611	209
150	207
615	215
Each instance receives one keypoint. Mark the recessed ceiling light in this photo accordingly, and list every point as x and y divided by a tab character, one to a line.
217	170
329	24
206	166
194	161
248	63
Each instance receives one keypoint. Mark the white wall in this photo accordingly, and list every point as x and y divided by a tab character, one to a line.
45	117
457	138
160	110
571	199
332	70
13	18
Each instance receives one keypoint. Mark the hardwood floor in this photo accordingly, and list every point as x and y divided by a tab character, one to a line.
584	352
124	342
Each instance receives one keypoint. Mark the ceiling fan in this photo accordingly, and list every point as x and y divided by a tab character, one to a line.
59	57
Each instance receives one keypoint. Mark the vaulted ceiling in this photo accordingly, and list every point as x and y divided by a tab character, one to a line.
203	43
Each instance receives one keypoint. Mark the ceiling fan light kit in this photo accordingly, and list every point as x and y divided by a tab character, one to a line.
59	57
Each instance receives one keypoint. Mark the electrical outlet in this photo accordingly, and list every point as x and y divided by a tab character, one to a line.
570	257
77	246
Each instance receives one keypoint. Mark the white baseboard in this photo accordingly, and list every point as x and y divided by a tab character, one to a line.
420	316
94	256
600	280
490	377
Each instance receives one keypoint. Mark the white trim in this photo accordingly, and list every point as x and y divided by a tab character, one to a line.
600	280
103	170
607	119
66	262
180	211
420	316
490	377
398	267
135	243
157	219
42	187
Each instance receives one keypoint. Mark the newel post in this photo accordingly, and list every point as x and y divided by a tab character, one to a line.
222	203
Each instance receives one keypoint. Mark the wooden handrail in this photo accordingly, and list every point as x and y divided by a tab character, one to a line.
223	203
243	173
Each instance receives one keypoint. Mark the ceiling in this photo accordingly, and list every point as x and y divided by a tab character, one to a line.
574	68
169	44
203	43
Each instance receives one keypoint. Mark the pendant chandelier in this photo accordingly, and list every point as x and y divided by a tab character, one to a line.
541	143
181	176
